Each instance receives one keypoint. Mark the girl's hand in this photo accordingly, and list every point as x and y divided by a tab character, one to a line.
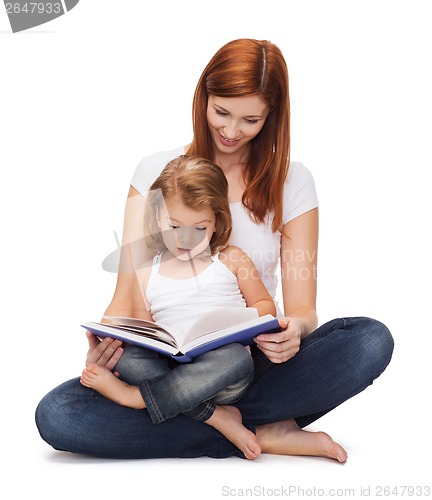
104	352
282	346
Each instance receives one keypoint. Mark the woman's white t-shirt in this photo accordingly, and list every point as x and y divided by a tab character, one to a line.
257	240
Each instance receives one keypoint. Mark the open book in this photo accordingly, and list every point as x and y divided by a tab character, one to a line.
214	329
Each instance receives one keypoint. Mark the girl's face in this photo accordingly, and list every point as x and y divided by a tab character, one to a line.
235	121
186	232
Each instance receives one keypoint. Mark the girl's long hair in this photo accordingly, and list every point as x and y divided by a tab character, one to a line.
199	183
248	67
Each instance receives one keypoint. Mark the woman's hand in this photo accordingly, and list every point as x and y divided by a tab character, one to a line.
104	352
282	346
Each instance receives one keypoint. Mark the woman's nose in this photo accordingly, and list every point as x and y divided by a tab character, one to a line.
231	130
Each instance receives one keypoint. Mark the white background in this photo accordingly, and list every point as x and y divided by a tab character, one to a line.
85	97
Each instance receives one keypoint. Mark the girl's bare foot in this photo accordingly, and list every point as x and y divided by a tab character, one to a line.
228	421
108	385
287	438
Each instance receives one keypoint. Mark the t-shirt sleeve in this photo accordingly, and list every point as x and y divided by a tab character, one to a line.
149	168
300	194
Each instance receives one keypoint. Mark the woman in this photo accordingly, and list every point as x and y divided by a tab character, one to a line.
241	122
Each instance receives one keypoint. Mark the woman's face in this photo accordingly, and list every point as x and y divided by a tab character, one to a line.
235	121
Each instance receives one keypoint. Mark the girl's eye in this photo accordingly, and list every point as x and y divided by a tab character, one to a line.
173	227
251	121
200	228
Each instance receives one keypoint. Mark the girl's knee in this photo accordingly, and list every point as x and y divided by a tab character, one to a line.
236	359
239	354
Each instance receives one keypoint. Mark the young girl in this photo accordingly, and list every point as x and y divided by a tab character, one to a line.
194	270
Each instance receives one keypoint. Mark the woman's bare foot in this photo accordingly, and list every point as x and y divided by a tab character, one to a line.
228	421
287	438
108	385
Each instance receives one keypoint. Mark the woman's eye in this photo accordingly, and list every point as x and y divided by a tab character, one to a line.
173	227
200	228
251	121
221	113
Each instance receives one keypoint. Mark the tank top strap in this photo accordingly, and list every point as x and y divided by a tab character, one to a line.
151	283
215	257
156	263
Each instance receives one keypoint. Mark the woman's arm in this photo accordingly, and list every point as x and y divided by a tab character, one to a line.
299	252
252	288
128	299
299	247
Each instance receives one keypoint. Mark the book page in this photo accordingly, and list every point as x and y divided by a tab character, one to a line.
218	319
102	330
246	329
142	327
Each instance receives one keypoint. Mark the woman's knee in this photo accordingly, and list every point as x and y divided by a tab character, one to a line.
50	414
377	342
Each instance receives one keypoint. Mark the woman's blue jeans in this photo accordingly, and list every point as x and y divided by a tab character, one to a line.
220	376
336	361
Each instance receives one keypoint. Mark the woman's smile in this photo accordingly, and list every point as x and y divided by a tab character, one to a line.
229	142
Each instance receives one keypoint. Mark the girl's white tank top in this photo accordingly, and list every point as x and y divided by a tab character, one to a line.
180	302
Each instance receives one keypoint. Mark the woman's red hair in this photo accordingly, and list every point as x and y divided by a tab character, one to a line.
247	67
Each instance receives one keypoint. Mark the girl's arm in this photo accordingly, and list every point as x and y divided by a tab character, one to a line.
252	288
299	285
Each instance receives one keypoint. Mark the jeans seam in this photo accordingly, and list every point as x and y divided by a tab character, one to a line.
208	408
150	403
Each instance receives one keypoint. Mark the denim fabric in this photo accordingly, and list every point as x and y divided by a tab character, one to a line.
337	361
169	388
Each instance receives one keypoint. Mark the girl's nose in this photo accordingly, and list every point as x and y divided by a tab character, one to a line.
189	237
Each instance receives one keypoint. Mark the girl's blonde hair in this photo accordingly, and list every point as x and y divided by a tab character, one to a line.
248	67
199	183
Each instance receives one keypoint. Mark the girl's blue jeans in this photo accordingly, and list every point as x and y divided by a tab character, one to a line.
335	362
168	388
